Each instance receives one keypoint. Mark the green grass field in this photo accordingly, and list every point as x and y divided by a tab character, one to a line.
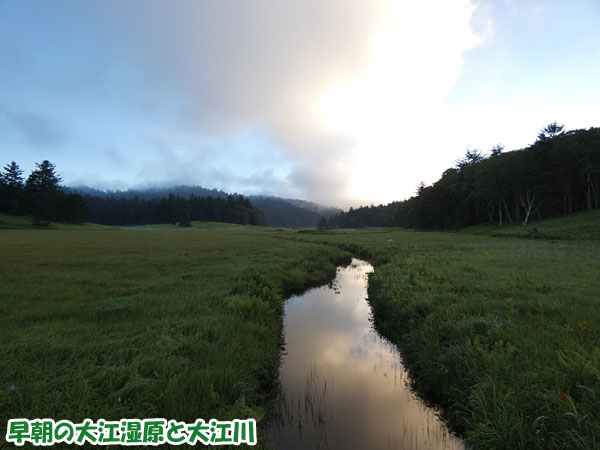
579	226
8	222
122	324
503	333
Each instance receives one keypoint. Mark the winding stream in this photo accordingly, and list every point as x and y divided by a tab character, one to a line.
344	386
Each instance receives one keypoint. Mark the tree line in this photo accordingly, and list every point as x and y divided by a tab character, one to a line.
43	197
556	175
40	196
278	212
281	212
173	209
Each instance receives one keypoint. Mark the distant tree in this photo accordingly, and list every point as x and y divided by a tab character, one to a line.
184	218
496	150
44	178
3	199
322	223
530	205
473	156
549	131
12	188
12	175
43	189
70	208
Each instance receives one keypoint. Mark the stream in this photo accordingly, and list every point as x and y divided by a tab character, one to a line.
343	386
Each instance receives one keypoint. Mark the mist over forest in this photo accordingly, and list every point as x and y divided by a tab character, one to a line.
558	174
42	196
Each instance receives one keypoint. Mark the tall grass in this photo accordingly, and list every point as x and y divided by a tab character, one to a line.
121	324
503	333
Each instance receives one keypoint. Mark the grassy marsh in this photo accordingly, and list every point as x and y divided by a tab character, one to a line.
503	333
118	323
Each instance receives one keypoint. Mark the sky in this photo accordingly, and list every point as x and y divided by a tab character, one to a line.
341	102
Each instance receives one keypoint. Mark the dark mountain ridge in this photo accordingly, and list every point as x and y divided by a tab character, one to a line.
278	211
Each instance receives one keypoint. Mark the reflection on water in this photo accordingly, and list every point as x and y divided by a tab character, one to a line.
343	386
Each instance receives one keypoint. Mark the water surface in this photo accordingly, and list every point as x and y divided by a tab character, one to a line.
343	386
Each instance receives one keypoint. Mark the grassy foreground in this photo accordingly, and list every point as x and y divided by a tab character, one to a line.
503	333
575	227
8	222
113	324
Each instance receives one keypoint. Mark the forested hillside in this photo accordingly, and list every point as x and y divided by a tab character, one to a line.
557	175
150	193
43	197
283	212
278	212
172	209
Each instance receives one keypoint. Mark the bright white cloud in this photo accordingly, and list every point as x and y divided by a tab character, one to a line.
395	110
336	101
349	92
